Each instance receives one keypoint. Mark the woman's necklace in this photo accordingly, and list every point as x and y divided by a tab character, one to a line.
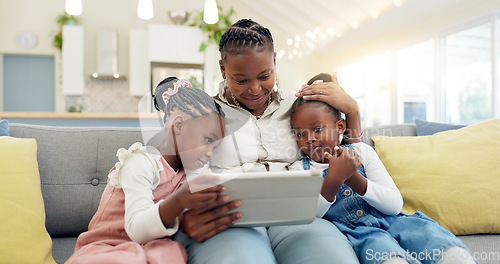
239	106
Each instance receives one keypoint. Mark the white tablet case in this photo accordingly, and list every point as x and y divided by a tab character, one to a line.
275	198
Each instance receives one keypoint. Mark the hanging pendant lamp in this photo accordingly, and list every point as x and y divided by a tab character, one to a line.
210	12
145	9
74	7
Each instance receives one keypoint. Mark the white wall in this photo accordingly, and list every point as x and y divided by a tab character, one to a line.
121	15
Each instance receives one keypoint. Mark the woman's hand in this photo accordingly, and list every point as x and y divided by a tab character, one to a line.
201	207
332	94
202	224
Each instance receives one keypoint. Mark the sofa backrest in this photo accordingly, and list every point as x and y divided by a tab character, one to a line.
74	163
389	131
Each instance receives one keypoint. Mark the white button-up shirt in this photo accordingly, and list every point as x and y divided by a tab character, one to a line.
253	144
267	143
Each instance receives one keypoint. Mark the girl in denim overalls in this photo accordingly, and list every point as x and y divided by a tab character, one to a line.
365	202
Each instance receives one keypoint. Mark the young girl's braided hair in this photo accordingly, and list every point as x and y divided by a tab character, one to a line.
245	34
178	94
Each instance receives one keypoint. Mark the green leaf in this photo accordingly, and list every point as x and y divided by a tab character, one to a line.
217	36
203	46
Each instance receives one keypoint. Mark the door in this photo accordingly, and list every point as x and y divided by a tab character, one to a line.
29	83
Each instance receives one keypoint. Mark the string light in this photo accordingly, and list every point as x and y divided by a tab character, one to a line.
319	37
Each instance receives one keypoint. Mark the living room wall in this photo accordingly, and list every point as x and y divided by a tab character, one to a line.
40	17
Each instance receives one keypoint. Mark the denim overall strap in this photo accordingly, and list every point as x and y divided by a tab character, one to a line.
305	163
349	208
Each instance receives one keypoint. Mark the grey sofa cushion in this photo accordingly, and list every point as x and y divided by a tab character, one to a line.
389	131
74	164
426	128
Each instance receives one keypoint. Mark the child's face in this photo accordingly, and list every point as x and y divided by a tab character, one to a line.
197	138
316	130
250	77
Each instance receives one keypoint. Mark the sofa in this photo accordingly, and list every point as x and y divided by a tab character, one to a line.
74	163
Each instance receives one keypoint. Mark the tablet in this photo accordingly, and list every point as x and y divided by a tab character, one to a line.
275	198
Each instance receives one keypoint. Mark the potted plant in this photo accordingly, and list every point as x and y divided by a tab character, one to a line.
214	31
63	19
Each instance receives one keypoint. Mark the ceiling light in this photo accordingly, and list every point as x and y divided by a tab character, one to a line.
210	12
289	42
297	38
317	31
145	9
74	7
296	45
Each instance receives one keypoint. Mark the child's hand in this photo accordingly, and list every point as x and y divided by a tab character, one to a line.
198	202
342	165
203	199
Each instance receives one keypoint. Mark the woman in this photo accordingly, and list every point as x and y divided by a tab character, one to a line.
257	117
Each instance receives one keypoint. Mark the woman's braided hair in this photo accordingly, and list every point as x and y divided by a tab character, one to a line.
169	97
245	34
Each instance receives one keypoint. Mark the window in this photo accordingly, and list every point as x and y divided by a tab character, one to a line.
415	82
370	78
467	75
453	77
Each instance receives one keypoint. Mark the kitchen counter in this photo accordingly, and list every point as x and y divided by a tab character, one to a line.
83	119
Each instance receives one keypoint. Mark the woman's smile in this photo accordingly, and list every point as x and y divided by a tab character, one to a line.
255	99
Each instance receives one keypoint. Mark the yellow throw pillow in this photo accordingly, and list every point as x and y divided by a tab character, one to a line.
452	176
23	236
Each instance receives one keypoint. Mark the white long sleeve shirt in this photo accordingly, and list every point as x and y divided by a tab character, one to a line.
137	173
381	192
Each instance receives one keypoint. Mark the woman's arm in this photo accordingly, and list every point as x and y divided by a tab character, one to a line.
332	94
203	224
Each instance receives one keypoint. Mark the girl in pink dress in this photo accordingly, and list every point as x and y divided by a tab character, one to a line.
145	194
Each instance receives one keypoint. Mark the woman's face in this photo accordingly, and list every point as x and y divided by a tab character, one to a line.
197	138
250	77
